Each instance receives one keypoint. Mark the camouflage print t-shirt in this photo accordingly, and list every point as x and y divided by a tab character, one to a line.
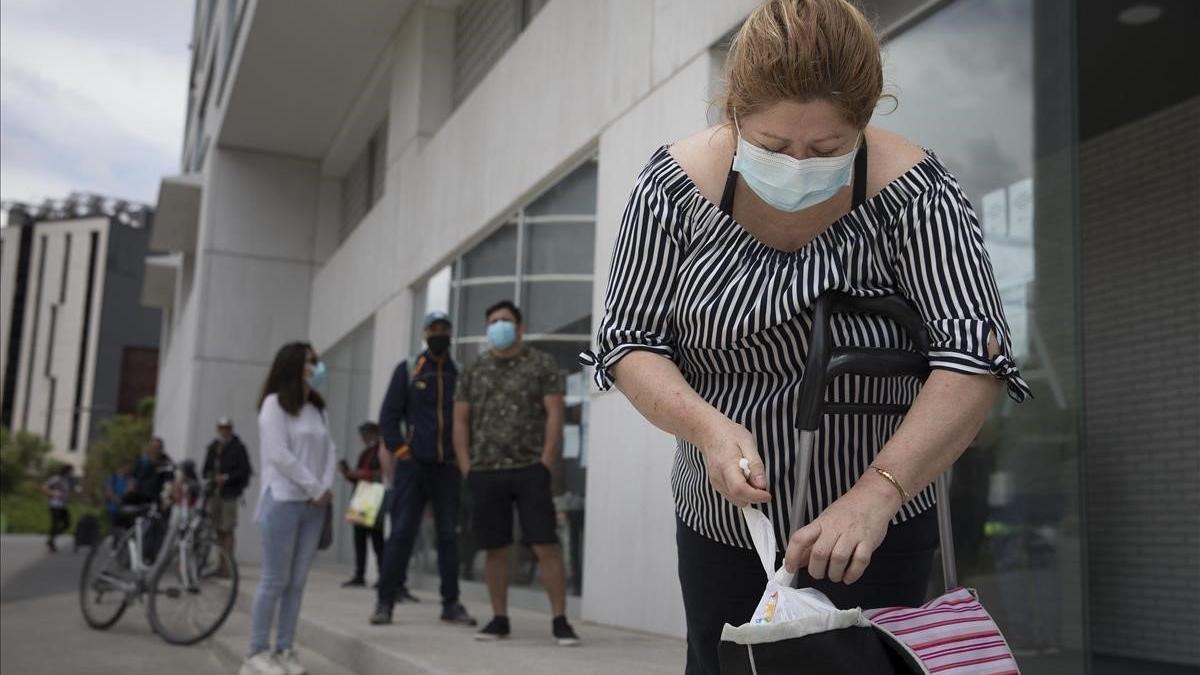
508	418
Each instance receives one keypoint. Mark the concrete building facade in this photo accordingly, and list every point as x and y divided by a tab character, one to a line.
77	346
348	166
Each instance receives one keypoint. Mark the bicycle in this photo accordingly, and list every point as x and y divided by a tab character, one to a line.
177	582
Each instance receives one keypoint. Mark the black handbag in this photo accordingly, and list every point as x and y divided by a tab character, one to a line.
326	539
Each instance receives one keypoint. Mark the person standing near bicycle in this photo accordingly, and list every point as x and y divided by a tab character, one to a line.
298	468
728	239
227	470
151	473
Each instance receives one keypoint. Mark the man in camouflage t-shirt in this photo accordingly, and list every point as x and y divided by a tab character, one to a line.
508	423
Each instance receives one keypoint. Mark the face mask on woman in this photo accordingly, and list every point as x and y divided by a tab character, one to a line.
318	376
790	184
502	334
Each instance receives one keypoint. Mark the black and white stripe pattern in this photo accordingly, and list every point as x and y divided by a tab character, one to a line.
689	283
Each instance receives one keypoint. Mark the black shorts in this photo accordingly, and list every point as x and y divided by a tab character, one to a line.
495	492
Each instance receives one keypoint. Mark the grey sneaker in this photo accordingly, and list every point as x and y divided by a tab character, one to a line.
456	613
382	616
262	663
290	664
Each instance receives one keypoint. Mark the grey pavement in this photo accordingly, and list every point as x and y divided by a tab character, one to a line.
42	631
334	624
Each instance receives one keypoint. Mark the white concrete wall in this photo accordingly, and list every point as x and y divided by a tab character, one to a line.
630	514
248	295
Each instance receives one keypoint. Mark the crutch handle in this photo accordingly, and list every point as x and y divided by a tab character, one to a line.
892	306
825	362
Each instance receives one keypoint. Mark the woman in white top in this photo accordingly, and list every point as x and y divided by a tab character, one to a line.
298	461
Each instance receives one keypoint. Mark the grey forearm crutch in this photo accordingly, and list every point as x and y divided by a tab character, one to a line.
826	362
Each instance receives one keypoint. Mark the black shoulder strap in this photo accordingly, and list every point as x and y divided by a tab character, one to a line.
860	176
727	195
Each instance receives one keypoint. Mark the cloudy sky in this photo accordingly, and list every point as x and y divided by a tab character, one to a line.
92	96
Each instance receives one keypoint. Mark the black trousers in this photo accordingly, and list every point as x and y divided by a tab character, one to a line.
60	522
416	484
361	535
722	584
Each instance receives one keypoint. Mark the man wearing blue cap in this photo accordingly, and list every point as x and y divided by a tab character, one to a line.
417	425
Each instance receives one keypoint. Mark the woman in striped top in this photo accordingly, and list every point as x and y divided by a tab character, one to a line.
727	240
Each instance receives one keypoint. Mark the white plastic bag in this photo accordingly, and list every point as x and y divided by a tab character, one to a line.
780	602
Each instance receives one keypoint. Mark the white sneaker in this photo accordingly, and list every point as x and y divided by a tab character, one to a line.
262	663
289	663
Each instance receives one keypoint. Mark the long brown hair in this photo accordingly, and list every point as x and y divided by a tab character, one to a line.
286	379
804	50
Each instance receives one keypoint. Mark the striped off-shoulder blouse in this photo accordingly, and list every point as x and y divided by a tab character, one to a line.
689	283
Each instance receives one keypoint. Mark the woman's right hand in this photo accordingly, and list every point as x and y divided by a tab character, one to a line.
723	448
325	499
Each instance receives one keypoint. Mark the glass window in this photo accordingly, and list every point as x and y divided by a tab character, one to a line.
559	248
495	256
354	195
575	194
565	353
378	154
969	88
364	182
560	307
474	301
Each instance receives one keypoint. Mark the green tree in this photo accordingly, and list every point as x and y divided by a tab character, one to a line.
122	438
22	455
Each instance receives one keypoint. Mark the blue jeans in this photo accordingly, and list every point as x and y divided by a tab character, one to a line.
290	532
415	484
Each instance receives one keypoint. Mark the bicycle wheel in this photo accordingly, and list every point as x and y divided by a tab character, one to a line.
186	605
104	585
204	544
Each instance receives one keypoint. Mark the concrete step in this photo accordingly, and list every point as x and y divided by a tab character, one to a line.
229	649
333	624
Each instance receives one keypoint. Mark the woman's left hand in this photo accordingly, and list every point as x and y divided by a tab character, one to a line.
840	542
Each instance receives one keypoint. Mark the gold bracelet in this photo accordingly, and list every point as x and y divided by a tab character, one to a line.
895	483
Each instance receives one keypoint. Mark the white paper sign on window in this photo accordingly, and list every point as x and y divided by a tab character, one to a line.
1020	210
995	214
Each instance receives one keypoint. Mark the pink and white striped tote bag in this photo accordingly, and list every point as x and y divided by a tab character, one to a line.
951	635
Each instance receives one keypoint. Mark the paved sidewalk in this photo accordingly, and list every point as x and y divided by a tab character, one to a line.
42	630
334	625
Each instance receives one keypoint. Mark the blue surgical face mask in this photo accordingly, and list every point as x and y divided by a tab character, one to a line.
318	376
502	334
790	184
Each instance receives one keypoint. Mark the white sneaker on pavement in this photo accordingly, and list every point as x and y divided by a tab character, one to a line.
262	663
288	661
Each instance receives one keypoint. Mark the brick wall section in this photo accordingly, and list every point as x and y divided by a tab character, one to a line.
1139	214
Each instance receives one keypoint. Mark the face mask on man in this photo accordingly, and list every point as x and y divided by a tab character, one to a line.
438	344
318	375
789	184
502	334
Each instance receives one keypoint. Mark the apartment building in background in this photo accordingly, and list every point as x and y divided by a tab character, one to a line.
77	346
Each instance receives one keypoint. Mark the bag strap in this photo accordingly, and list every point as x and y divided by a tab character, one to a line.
412	379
